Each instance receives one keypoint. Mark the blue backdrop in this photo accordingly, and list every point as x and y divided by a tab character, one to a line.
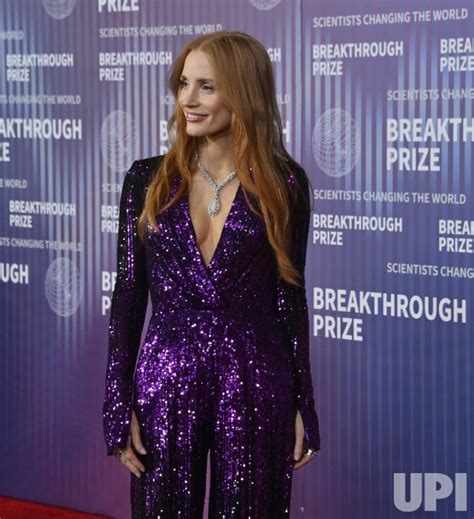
376	100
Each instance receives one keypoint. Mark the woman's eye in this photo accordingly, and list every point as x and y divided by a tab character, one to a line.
207	88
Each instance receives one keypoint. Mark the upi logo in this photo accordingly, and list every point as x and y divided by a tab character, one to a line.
426	489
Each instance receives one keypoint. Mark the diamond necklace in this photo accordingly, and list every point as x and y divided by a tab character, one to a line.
214	206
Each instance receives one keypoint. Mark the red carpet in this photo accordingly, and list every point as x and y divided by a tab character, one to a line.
11	508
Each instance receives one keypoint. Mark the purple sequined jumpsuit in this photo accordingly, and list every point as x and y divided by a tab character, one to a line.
224	364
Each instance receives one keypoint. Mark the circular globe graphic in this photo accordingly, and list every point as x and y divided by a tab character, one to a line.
265	5
336	142
59	9
63	287
118	140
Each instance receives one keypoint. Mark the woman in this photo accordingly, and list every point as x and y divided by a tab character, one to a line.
216	230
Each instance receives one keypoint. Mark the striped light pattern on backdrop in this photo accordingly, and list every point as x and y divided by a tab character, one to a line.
397	402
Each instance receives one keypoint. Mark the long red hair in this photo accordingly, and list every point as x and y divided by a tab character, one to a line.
245	77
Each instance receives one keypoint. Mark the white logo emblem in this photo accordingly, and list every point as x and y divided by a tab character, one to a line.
118	141
265	5
63	287
336	143
59	9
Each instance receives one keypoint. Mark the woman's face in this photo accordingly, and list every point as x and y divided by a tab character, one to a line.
200	98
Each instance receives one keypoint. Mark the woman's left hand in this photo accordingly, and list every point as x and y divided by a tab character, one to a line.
298	453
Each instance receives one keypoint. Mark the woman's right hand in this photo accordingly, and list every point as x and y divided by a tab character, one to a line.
127	456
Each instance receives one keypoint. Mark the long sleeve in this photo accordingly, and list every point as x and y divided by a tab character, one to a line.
293	313
128	308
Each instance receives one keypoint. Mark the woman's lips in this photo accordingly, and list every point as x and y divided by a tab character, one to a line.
195	118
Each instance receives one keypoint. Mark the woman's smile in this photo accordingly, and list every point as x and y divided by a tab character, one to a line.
195	118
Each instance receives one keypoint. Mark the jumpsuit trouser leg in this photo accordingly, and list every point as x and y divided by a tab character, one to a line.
244	415
252	445
173	412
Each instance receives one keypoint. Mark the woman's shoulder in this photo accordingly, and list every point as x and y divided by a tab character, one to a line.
138	178
141	172
298	180
296	173
145	168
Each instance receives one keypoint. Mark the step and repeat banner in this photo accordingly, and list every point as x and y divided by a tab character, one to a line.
376	100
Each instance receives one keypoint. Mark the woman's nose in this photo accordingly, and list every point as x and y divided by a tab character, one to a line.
188	96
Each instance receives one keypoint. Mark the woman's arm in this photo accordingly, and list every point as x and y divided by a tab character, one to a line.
293	311
129	302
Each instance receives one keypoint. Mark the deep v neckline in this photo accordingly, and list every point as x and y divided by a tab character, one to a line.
223	232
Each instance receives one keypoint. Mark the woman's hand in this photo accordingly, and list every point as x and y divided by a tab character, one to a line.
299	444
127	456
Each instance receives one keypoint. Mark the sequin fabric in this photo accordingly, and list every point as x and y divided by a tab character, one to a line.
224	364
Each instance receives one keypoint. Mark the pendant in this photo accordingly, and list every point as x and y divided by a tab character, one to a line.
214	206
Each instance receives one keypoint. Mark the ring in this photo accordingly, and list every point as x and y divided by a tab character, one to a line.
119	453
309	452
